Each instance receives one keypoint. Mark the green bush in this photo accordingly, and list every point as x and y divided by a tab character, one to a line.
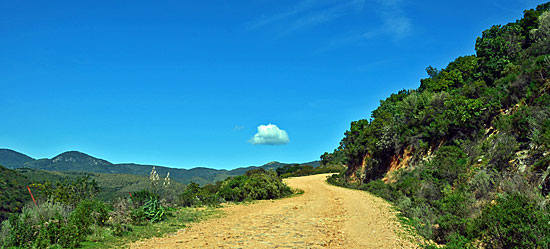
502	150
5	230
194	195
288	169
379	188
457	241
448	164
254	186
454	220
89	212
305	170
209	195
514	221
340	180
257	184
42	227
68	192
53	224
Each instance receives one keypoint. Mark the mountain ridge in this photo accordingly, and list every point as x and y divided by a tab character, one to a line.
71	161
11	158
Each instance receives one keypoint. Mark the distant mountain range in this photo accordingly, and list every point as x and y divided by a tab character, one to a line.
74	161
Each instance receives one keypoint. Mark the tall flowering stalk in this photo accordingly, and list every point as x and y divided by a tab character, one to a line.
166	180
154	179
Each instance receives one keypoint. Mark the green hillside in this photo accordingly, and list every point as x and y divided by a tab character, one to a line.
13	192
466	156
13	159
74	161
111	185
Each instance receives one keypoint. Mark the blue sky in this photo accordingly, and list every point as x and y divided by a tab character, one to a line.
187	83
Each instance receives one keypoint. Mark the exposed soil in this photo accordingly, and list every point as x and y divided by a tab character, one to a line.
324	216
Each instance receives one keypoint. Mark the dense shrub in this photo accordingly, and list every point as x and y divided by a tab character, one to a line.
41	227
194	195
257	186
288	169
88	213
514	221
294	170
340	180
448	164
53	224
455	210
64	219
501	151
68	192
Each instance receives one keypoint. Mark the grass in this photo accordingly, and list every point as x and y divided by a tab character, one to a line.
296	192
103	237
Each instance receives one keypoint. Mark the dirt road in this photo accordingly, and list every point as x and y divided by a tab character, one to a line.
324	216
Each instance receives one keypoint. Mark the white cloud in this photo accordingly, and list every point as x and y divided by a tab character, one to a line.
295	10
395	20
269	134
393	23
326	15
308	13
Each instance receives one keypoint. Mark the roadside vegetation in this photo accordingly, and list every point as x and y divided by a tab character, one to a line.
465	157
294	170
256	184
68	213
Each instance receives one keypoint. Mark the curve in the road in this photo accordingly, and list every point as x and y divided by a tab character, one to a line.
324	216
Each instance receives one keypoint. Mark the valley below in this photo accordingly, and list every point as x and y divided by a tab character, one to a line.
323	216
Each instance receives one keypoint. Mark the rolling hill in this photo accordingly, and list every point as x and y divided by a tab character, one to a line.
13	159
74	161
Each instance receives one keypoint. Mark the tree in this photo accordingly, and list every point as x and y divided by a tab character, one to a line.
498	47
541	35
